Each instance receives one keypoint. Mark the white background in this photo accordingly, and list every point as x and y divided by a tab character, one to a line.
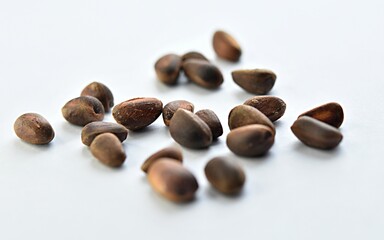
322	51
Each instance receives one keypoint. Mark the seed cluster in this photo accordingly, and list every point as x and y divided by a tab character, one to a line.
252	130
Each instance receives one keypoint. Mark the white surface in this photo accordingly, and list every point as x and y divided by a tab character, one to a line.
321	51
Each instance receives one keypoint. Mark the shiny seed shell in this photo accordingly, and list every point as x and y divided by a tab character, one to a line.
226	47
83	110
171	107
193	55
172	180
270	106
226	176
213	122
93	129
168	68
256	81
33	128
108	149
315	133
203	73
173	153
101	92
137	113
331	113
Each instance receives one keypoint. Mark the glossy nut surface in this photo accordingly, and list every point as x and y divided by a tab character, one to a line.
173	153
83	110
108	149
171	107
213	122
256	81
270	106
101	92
331	113
91	130
225	46
203	73
167	68
33	128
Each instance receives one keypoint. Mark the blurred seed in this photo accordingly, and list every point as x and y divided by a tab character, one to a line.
101	92
203	73
93	129
226	176
243	115
331	113
83	110
189	130
168	68
315	133
193	55
272	107
173	153
171	107
33	128
137	113
256	81
172	180
108	149
226	47
213	122
251	140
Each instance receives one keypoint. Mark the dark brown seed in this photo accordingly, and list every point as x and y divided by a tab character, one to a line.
137	113
101	92
251	140
173	153
315	133
83	110
172	180
171	107
213	122
168	68
33	128
243	115
193	55
189	130
108	149
226	47
256	81
272	107
203	73
331	113
93	129
226	176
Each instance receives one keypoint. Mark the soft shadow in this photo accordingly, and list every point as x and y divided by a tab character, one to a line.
317	153
242	95
96	164
215	194
31	148
171	205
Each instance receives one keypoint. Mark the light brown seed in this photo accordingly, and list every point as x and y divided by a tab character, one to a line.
251	140
213	122
189	130
226	47
173	153
168	68
33	128
226	176
101	92
137	113
83	110
203	73
172	180
93	129
243	115
315	133
270	106
108	149
331	113
193	55
171	107
256	81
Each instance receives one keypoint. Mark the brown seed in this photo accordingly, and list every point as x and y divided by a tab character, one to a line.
101	92
226	176
108	149
243	115
173	153
33	128
272	107
331	113
256	81
203	73
193	55
251	140
226	47
168	68
315	133
171	107
172	180
189	130
83	110
137	113
213	122
93	129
